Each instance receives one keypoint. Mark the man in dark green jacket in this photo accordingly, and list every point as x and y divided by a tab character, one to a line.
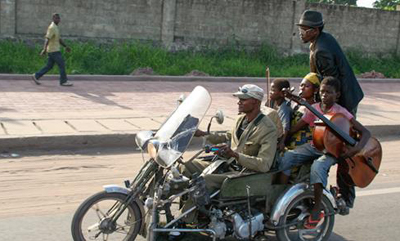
253	142
253	139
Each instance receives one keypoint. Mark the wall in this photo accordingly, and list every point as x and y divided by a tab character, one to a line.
201	22
367	29
250	22
7	18
133	19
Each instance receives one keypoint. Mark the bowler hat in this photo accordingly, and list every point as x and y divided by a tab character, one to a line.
311	18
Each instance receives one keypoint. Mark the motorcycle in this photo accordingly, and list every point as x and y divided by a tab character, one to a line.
247	206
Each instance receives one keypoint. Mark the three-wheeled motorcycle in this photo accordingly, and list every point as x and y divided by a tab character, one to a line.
246	207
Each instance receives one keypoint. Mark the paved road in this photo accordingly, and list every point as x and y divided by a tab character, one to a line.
40	192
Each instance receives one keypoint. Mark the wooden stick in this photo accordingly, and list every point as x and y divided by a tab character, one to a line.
267	103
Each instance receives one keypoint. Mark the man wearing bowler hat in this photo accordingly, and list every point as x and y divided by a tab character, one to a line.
328	59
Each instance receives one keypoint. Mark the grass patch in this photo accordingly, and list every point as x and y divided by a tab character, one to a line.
122	58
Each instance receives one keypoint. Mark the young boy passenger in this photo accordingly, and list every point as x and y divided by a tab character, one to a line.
280	104
329	93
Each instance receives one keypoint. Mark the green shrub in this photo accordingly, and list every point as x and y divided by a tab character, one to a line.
119	58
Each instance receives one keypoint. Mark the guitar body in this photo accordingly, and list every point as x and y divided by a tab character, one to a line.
332	142
360	173
318	135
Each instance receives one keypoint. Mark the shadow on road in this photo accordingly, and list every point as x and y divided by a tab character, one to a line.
270	236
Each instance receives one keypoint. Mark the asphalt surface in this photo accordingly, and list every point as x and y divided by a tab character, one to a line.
41	191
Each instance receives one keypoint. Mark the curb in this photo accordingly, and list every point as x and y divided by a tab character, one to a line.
24	77
61	142
383	131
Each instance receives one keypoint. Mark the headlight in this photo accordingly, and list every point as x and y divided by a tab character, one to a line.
152	148
142	138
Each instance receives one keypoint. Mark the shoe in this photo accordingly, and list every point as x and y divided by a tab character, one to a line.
342	207
344	210
66	83
35	80
313	223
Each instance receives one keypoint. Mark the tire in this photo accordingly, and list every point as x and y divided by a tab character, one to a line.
297	212
95	209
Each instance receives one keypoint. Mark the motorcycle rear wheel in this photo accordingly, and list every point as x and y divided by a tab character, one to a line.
91	220
296	214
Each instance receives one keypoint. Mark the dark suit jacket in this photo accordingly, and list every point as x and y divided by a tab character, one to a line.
330	60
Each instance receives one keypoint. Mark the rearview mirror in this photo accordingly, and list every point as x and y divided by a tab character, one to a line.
219	116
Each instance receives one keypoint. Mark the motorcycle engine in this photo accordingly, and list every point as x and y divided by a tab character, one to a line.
217	225
242	227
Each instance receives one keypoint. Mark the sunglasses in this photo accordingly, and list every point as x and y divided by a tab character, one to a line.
304	31
243	90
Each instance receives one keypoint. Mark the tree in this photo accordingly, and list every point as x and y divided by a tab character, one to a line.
343	2
386	4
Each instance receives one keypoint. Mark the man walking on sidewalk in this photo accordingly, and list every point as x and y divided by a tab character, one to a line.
52	48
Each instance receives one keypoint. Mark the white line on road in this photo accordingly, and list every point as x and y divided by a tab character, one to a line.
378	191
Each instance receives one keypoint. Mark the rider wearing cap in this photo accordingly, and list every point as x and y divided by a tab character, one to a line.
253	143
253	139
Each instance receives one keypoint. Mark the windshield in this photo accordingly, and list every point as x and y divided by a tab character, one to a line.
176	133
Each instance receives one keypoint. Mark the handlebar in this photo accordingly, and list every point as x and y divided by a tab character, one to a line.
209	148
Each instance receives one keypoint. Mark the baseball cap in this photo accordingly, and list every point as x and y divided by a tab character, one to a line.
250	91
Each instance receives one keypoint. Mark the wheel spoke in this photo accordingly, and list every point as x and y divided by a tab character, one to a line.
131	223
93	227
122	231
113	209
94	221
303	208
119	226
97	210
305	232
97	235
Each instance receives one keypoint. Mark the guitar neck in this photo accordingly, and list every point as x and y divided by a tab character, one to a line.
346	137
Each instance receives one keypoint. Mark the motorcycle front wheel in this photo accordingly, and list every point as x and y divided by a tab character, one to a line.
292	222
92	219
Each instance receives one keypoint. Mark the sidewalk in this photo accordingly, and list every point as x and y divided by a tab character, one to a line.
109	110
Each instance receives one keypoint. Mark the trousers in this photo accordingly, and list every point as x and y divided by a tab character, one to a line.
53	57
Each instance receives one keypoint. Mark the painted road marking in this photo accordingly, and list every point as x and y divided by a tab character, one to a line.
378	191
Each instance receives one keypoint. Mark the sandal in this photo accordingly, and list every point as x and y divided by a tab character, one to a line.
311	223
